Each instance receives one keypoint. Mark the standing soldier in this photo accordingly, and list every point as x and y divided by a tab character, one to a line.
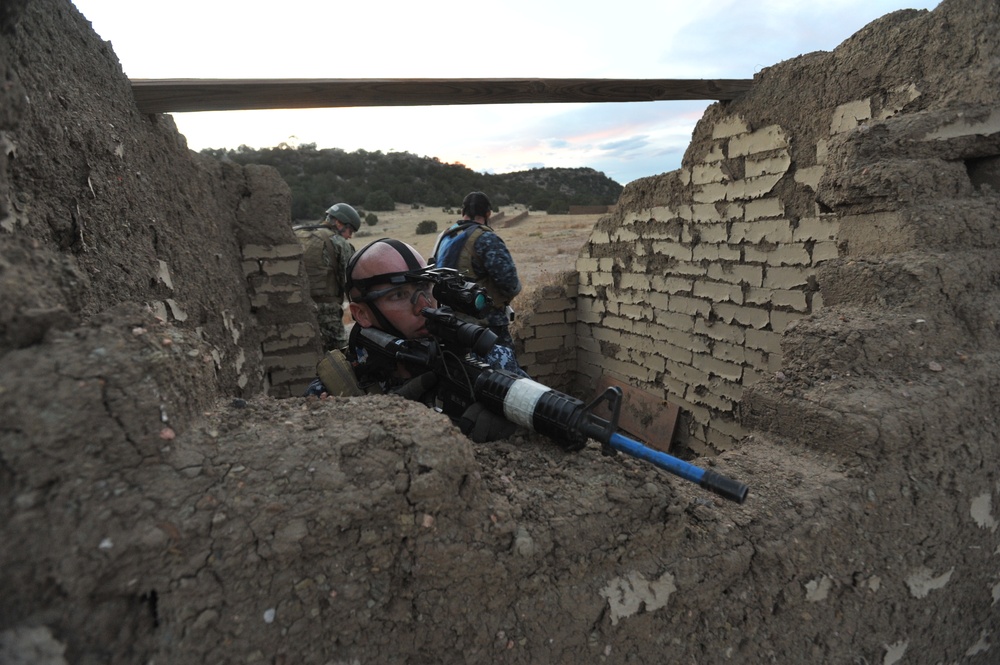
326	252
474	249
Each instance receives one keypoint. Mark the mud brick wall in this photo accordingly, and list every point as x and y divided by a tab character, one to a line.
689	301
545	335
290	335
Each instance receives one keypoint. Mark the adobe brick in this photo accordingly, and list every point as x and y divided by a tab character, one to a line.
687	340
706	213
769	230
269	286
307	360
747	316
789	254
637	312
719	331
602	279
718	292
628	370
548	318
715	154
731	390
692	306
824	251
710	193
780	320
763	209
671	249
765	340
624	234
786	277
286	267
752	376
536	345
816	303
729	352
848	116
754	188
271	251
671	284
764	139
275	346
729	127
715	234
756	296
689	268
706	252
545	332
556	305
608	335
757	359
712	365
687	373
810	176
252	267
671	353
816	228
301	329
774	165
786	298
736	274
674	320
702	174
718	441
712	401
698	413
631	280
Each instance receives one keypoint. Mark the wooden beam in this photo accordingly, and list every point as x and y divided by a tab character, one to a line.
181	95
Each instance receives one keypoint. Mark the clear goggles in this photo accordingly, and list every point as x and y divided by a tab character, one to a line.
407	294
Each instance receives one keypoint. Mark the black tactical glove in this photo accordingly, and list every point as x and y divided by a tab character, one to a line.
416	387
482	425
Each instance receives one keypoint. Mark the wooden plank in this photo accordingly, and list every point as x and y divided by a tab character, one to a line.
183	95
646	418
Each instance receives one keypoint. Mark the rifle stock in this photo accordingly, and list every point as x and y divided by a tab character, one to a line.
560	417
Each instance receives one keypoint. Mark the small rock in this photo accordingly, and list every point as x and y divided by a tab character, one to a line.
934	367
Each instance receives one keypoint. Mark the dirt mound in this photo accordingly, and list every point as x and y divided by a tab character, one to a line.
157	505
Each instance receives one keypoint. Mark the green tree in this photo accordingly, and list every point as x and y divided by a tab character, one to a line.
427	226
379	200
371	219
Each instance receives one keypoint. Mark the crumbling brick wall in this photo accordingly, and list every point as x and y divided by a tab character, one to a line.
545	333
690	300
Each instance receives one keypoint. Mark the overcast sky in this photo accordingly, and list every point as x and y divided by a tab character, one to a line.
449	39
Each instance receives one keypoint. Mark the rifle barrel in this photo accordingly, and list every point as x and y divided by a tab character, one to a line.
710	480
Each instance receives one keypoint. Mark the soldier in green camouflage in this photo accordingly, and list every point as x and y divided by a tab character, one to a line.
326	252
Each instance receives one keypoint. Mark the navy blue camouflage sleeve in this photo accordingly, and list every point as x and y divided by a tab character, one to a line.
498	263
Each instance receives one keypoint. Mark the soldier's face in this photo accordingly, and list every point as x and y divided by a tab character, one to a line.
401	306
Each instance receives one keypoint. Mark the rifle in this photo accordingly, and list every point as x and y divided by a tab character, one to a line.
453	353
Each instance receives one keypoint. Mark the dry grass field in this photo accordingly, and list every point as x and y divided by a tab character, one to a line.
542	245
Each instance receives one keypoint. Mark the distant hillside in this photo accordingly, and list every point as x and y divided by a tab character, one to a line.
320	177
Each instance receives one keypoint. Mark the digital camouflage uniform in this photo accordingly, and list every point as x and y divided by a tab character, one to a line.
477	251
325	255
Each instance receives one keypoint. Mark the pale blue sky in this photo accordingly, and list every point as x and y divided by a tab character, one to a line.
451	39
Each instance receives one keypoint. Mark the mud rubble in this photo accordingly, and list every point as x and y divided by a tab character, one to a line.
157	505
